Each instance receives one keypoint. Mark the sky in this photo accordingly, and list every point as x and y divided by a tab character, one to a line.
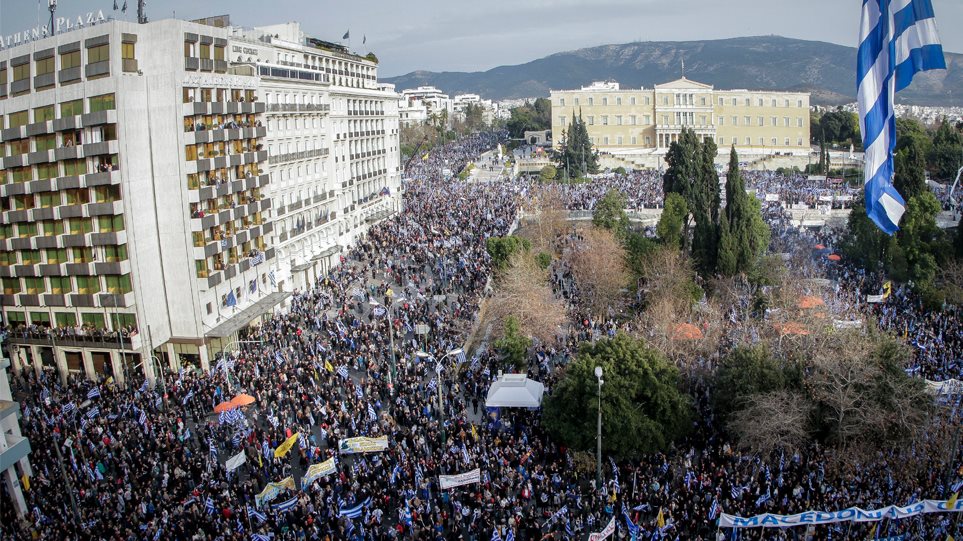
461	35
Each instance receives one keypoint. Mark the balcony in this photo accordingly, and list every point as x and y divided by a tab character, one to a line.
100	340
302	155
18	447
298	107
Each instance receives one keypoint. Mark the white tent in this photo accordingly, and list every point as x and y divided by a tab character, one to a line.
515	391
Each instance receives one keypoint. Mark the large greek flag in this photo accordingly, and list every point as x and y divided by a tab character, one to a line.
898	38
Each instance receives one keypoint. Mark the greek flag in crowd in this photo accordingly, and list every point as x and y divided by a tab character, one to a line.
285	506
460	356
898	38
378	311
93	393
93	412
260	537
495	536
143	417
143	387
371	413
358	392
210	444
254	513
68	408
714	509
209	505
343	371
187	397
354	512
632	527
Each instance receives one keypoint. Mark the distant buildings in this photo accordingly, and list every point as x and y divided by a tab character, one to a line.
429	104
640	121
165	185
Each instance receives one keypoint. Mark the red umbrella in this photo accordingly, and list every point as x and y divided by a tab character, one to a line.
224	406
833	257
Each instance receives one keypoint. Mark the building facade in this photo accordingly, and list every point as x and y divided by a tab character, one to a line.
439	107
14	448
333	146
141	169
756	122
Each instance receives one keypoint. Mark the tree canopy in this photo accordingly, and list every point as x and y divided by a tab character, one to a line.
643	410
610	213
744	235
576	156
535	116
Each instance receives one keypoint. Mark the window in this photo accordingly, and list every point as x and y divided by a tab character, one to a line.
112	224
605	101
799	122
188	49
618	120
94	320
30	257
561	102
75	167
773	102
53	227
618	140
591	120
127	51
104	102
785	121
799	142
605	120
561	120
722	121
20	118
748	102
200	267
87	285
775	121
21	174
83	255
45	66
576	101
70	60
591	101
60	285
759	102
21	72
748	142
788	142
3	77
632	100
118	285
65	319
648	140
618	101
18	146
71	108
79	226
34	286
722	141
704	100
799	103
11	286
762	121
26	230
605	140
631	120
43	114
113	254
647	120
46	170
722	101
100	53
205	50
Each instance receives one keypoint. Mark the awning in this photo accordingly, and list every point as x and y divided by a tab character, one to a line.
241	319
515	391
378	216
327	253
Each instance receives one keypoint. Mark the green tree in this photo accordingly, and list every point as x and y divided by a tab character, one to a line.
548	173
841	127
744	234
610	213
705	203
576	156
745	371
674	216
946	157
535	116
637	250
513	346
643	410
909	164
863	242
921	239
501	249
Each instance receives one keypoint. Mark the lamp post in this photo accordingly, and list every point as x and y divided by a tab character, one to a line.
598	452
392	372
159	370
63	472
52	6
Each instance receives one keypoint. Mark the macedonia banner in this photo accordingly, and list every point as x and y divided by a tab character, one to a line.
352	446
317	471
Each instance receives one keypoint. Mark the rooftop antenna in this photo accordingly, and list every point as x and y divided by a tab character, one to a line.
52	6
141	13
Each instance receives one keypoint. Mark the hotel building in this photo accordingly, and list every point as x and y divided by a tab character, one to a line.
647	121
154	174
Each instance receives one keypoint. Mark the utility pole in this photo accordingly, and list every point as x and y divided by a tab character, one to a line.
598	451
63	471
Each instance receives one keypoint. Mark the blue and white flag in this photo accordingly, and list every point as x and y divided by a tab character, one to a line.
354	512
510	536
632	527
209	505
258	536
371	413
69	407
188	396
93	393
714	509
495	536
460	356
93	412
257	515
213	449
143	388
285	506
358	392
898	38
343	371
143	418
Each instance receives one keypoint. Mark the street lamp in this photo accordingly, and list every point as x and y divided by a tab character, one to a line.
392	373
159	370
598	452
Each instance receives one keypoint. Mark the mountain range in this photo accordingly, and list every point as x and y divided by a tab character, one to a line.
826	70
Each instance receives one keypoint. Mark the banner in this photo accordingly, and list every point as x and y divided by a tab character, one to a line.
272	490
844	324
852	514
362	444
235	461
286	446
467	478
609	530
317	471
875	299
772	197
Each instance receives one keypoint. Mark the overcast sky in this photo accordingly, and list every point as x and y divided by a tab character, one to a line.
460	35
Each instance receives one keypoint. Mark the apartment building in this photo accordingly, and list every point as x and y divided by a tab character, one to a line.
14	448
154	205
133	197
649	120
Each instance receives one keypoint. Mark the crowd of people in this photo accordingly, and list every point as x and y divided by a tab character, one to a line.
139	462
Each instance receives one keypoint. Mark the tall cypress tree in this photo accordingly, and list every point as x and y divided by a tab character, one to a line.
745	235
680	177
577	157
706	199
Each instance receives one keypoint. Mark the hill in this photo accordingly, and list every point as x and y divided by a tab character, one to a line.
758	63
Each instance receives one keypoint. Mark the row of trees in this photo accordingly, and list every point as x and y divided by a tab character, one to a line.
535	116
729	242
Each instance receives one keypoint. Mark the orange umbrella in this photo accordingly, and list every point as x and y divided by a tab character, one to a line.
820	247
224	406
686	331
833	257
807	302
242	400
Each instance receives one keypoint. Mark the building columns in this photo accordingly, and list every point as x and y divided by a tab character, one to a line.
13	487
